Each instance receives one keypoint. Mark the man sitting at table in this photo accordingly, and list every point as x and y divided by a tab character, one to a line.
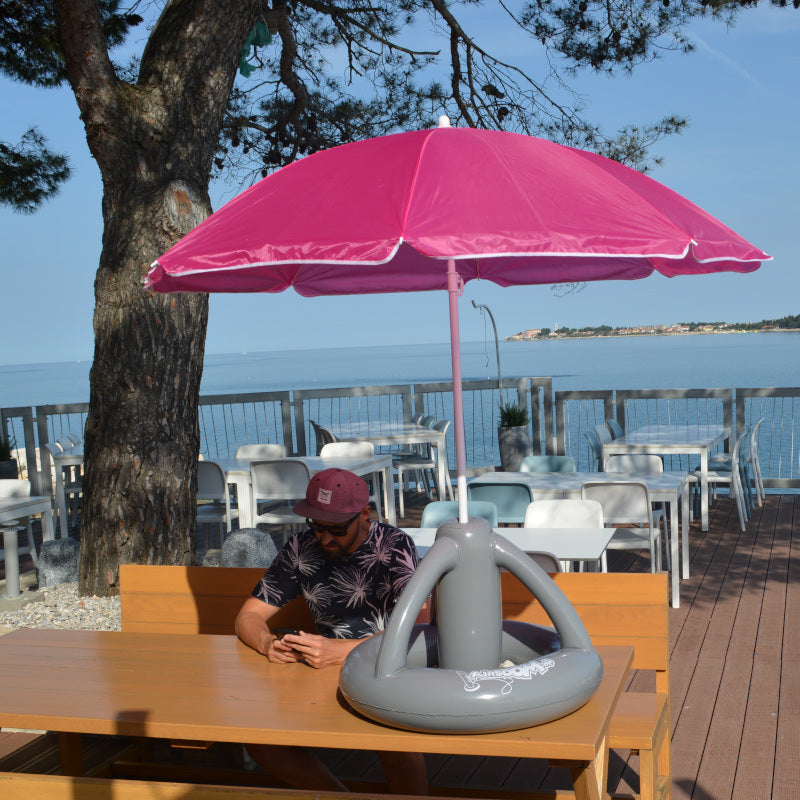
351	571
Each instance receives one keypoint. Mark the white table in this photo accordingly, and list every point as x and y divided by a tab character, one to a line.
397	433
16	509
237	472
664	440
663	487
65	461
566	544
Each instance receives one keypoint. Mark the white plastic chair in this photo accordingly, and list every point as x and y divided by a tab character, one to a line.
359	450
567	513
627	503
259	451
642	463
424	465
722	462
213	499
732	477
277	485
11	488
71	484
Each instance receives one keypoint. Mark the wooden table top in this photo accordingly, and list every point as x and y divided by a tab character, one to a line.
215	688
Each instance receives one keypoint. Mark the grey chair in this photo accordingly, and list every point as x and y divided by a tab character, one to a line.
425	466
213	499
322	435
603	434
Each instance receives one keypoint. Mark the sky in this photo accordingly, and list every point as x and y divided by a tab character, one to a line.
738	159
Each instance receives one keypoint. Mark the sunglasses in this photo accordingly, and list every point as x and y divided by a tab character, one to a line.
332	530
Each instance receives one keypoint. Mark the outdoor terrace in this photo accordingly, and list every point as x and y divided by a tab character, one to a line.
735	669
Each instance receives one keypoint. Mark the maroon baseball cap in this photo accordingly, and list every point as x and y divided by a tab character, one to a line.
334	495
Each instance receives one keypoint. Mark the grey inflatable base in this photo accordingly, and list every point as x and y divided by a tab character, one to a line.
448	678
545	683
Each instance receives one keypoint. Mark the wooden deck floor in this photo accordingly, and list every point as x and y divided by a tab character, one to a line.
735	665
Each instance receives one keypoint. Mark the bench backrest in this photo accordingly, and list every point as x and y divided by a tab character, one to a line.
616	608
160	599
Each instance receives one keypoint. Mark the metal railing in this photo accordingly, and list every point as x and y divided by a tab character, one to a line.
558	419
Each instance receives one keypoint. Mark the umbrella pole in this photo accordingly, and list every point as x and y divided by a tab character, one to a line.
454	289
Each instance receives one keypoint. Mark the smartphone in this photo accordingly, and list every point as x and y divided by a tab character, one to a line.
281	632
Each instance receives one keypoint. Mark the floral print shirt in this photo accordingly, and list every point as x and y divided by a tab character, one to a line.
348	599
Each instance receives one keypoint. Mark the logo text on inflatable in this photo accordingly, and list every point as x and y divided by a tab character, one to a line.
506	675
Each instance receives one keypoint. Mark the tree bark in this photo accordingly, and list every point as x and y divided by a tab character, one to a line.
154	143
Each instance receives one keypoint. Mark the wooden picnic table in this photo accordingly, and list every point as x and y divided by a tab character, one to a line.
214	688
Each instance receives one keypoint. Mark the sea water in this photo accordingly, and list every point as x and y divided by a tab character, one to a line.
624	362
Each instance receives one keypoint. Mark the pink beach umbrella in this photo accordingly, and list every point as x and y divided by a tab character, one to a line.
432	209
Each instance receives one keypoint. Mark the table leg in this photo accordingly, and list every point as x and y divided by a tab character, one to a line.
589	778
704	489
674	550
244	497
388	482
71	753
11	562
685	495
61	502
48	529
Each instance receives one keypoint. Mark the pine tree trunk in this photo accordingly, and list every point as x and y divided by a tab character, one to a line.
142	436
154	141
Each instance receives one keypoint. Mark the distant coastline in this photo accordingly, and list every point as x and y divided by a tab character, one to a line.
558	336
784	325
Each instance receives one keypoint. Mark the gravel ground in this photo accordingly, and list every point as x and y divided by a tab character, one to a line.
61	607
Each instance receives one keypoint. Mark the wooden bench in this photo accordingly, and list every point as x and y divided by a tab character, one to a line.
617	608
20	786
194	599
621	608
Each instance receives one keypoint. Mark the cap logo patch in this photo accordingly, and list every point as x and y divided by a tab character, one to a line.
324	496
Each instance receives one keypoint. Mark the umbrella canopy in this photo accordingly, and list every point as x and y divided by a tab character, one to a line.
432	209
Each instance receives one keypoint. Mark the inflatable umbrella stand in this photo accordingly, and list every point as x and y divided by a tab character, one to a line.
454	676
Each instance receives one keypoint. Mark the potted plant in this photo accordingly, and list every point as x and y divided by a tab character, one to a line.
8	465
513	436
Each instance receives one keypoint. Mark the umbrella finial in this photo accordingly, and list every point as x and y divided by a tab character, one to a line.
444	121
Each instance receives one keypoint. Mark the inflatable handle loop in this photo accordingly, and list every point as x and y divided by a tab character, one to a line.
566	620
441	558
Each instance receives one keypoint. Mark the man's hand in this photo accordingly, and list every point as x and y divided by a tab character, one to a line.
316	651
280	651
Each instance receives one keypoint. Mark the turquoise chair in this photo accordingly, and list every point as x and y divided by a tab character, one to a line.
614	428
595	450
548	464
511	499
439	511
